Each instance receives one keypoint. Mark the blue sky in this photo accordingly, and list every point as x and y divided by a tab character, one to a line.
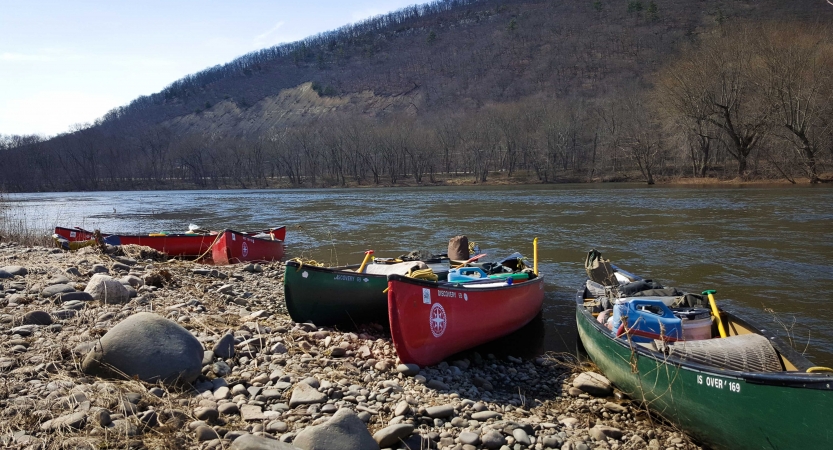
68	62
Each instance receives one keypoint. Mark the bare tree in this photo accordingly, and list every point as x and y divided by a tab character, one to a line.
796	65
713	83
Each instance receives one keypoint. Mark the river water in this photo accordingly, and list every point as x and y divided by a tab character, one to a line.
766	250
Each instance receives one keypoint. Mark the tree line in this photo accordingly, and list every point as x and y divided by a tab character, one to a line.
748	101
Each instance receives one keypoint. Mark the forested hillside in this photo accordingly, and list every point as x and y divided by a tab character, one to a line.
476	91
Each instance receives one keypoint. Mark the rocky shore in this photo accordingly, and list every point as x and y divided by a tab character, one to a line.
102	351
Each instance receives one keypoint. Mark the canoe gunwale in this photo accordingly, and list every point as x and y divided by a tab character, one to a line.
819	381
341	269
459	285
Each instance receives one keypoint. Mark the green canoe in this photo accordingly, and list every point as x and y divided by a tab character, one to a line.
780	407
330	296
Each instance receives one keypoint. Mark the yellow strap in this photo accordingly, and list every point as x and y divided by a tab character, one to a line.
817	369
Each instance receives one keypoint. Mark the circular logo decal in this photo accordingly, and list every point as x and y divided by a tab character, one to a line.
245	250
437	319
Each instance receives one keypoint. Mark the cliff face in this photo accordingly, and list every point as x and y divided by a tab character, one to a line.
292	106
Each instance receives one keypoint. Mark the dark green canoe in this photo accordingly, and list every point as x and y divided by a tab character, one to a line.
723	409
334	296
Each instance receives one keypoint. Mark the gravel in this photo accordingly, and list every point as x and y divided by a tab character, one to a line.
270	380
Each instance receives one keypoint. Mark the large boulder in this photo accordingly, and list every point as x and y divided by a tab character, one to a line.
107	290
148	346
343	431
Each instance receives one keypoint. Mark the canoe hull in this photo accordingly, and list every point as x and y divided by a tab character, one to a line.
175	245
719	408
330	297
233	247
430	322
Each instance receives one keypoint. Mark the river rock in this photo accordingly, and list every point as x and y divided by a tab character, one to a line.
74	296
485	415
602	432
70	421
437	384
469	438
107	290
252	442
224	348
615	408
56	289
440	412
228	409
594	384
388	436
24	330
5	274
402	408
343	431
206	413
521	437
37	318
251	413
205	433
304	394
408	370
492	439
14	270
148	346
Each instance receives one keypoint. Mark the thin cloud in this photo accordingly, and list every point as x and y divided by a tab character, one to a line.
261	39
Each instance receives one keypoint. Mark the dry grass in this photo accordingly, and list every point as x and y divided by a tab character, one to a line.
15	226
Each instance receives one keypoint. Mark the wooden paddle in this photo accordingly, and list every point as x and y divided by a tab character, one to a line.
472	259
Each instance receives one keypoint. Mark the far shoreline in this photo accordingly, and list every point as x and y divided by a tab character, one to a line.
444	181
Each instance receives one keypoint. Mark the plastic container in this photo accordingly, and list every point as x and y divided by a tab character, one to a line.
649	319
463	274
517	276
696	322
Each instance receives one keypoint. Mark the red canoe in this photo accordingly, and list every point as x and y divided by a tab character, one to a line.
234	247
174	244
430	321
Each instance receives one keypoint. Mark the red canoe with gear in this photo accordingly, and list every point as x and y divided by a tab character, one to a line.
432	320
187	245
233	247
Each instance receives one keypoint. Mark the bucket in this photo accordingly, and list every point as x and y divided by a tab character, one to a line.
463	274
649	319
696	322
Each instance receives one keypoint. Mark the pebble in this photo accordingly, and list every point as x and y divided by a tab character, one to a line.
205	433
441	411
594	384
